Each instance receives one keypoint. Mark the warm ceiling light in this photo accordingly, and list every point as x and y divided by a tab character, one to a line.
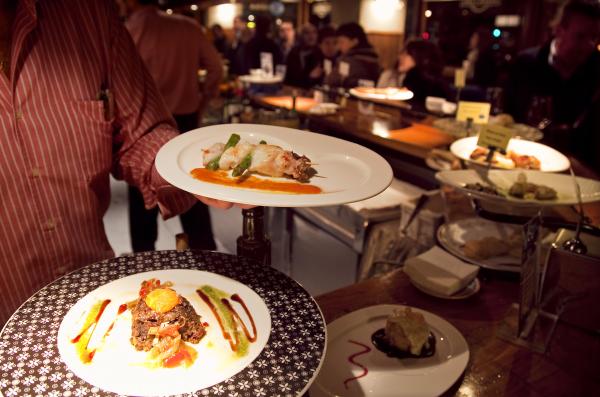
428	13
169	11
194	7
251	17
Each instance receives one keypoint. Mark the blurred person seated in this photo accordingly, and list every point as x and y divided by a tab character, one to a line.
419	68
328	51
358	59
303	58
183	50
286	38
261	42
220	41
481	59
557	85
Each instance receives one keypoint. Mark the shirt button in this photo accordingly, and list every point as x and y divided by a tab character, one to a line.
50	224
19	114
35	172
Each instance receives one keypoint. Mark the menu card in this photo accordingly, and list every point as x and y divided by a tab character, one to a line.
477	112
344	69
495	137
266	63
460	78
327	66
529	285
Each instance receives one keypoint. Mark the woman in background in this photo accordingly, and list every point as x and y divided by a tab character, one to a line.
419	68
357	61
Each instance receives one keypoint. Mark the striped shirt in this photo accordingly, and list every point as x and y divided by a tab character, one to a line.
58	143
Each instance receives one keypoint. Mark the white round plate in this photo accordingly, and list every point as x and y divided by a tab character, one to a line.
470	290
453	236
119	368
251	79
346	172
504	179
387	376
390	94
551	160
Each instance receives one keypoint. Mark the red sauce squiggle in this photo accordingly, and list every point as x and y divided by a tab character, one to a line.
236	298
212	307
121	310
94	323
351	359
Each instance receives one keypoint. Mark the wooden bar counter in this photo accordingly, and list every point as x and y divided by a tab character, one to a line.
570	367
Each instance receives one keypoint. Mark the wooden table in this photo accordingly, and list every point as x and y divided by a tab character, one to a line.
571	367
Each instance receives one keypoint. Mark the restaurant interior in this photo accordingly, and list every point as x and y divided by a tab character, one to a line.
450	245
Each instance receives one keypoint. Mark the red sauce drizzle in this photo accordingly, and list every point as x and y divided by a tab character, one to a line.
212	307
121	310
94	323
236	298
236	317
351	359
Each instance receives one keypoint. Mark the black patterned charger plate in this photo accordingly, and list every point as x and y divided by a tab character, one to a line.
283	362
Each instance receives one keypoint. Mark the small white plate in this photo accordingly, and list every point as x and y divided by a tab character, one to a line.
387	376
470	290
551	160
252	79
346	172
118	367
390	93
504	179
453	236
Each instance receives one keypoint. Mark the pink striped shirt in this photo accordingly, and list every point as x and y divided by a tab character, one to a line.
57	148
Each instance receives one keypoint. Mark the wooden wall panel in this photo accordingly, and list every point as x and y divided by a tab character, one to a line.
387	46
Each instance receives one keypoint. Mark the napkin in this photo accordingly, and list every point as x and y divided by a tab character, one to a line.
439	271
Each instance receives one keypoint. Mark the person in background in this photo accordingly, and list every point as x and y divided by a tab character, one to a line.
357	61
557	85
482	65
94	110
237	51
261	42
286	38
419	68
173	48
328	52
219	39
303	58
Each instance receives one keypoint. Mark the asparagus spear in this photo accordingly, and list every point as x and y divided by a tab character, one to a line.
245	163
213	165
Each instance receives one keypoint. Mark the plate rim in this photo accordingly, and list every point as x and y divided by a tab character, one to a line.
188	257
379	179
353	91
387	307
454	150
455	296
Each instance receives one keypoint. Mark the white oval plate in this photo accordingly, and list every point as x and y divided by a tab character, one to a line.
470	290
453	236
551	160
388	376
347	172
118	367
390	94
504	179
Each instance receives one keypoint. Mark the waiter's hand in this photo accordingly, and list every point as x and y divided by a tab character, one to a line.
224	205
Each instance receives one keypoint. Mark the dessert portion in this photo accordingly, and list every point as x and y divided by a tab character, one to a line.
488	247
406	334
162	321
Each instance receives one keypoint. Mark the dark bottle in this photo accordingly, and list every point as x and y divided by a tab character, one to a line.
253	243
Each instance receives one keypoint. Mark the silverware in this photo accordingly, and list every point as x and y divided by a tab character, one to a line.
575	244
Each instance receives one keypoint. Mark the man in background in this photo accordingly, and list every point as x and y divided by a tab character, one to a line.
286	38
557	85
174	48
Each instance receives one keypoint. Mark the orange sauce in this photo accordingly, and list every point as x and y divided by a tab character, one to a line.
252	182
